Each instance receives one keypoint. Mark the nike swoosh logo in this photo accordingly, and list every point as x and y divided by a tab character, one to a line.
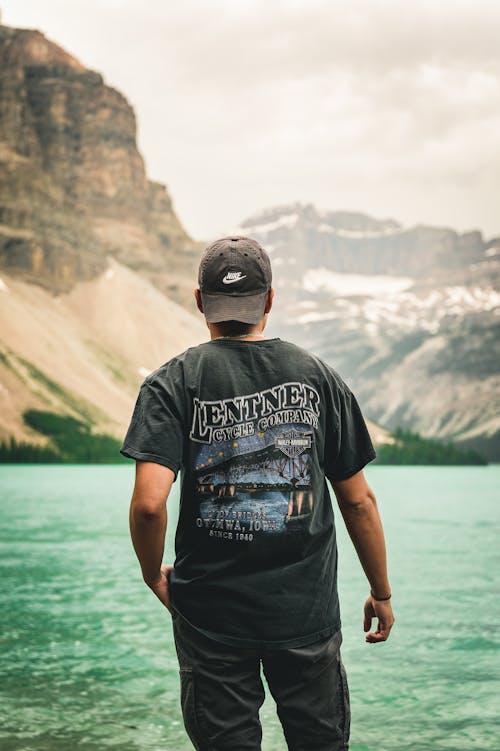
230	279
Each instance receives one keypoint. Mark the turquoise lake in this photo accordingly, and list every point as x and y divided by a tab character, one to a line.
87	654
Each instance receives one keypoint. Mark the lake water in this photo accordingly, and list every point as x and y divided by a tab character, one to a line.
87	655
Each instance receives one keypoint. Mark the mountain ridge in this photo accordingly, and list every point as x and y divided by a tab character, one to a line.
410	316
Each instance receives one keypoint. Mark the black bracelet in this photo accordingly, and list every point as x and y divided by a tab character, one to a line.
379	599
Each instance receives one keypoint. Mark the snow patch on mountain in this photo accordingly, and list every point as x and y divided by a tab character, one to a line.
353	284
382	310
360	234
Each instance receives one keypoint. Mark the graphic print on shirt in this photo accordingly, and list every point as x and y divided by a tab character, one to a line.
254	461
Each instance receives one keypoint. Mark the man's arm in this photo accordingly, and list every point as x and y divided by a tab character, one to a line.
359	509
148	524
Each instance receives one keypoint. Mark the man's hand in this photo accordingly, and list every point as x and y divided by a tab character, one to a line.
160	587
381	609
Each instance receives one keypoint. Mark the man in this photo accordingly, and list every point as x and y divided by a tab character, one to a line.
254	425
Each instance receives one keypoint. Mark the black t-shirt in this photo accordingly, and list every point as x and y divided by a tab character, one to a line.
253	428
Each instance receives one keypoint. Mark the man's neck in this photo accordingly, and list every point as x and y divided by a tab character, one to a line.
254	334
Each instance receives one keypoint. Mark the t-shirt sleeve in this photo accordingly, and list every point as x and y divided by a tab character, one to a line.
348	446
155	433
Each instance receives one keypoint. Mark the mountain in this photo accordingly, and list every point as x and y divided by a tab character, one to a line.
346	242
408	315
73	184
96	271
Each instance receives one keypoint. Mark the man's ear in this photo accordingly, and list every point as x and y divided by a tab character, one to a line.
269	302
197	295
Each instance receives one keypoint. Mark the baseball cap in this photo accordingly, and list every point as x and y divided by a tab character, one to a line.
234	278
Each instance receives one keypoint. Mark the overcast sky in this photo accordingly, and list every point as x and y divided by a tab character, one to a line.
382	106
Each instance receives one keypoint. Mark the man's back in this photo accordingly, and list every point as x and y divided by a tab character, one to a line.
254	427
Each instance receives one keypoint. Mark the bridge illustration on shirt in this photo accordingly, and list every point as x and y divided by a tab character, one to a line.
273	468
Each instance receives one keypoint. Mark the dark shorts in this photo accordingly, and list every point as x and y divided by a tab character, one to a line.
222	692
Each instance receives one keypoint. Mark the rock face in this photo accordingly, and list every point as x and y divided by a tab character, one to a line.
91	251
410	316
73	185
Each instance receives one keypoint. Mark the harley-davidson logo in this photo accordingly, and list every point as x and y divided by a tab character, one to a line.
293	443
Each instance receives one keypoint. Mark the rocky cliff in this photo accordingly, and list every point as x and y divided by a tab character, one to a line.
93	259
73	186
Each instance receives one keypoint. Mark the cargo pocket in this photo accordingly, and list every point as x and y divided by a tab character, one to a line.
191	713
346	706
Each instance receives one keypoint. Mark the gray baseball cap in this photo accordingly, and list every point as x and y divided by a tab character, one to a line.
234	278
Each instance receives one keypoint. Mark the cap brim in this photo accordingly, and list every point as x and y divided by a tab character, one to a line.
244	308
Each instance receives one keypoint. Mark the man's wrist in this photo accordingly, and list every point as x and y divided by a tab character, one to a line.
386	596
151	580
